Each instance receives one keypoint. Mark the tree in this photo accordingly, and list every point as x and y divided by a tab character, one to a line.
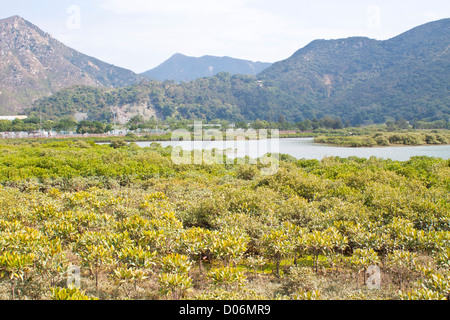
402	263
227	277
65	124
305	125
277	245
96	258
331	123
5	126
175	263
48	125
125	277
229	246
15	266
362	259
195	242
390	125
402	124
132	256
258	125
136	122
324	242
177	284
118	143
241	125
175	278
92	127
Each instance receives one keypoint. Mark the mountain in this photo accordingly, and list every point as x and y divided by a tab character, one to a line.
365	80
357	79
33	64
181	68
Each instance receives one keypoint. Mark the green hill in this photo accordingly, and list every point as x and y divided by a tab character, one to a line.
357	79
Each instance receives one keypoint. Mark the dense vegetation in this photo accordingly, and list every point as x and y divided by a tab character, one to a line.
387	139
363	80
139	123
95	102
358	80
35	124
141	227
227	97
178	105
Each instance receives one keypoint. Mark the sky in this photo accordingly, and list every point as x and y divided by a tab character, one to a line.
141	34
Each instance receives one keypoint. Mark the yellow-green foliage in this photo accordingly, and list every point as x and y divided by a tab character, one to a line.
137	226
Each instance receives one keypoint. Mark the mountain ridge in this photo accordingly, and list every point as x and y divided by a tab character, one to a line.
33	64
182	68
357	79
371	79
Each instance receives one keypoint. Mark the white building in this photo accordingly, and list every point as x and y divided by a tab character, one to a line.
12	118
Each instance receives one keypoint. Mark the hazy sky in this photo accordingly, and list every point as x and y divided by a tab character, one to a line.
141	34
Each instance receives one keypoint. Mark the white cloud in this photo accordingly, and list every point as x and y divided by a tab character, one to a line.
140	34
172	7
234	28
434	15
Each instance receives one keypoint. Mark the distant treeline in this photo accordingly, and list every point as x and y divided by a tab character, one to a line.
387	139
139	123
233	98
440	124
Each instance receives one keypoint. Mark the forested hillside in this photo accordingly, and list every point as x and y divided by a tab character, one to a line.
358	80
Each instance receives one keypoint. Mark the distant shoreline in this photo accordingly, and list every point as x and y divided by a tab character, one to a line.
331	140
382	147
380	140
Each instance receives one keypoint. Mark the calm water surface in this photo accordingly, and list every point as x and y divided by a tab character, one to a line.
305	148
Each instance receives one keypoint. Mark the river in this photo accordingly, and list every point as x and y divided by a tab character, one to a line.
305	148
